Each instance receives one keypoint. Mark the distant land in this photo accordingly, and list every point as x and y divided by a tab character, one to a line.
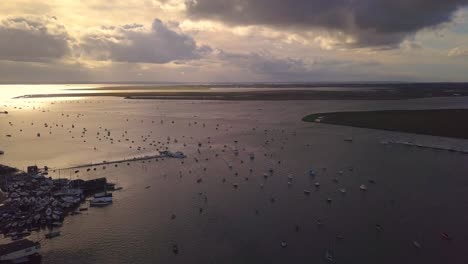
278	91
436	122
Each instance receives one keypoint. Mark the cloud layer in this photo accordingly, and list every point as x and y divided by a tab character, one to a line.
133	43
32	39
356	23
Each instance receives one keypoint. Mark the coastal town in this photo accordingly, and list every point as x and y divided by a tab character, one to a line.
32	201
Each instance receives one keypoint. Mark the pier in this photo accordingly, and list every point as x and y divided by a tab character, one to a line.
162	154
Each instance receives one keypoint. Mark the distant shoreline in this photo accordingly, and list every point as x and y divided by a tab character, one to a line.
267	95
438	122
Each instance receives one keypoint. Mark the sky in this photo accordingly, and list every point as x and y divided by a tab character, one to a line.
233	40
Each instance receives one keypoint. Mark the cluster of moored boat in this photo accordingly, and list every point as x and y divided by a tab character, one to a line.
37	201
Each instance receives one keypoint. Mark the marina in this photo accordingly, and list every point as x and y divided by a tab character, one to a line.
34	202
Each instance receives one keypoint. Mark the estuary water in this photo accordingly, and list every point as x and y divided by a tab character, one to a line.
413	194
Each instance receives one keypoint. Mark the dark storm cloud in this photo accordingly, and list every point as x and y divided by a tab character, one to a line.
282	69
32	39
370	22
131	43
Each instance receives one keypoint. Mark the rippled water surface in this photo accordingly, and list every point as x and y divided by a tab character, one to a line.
418	193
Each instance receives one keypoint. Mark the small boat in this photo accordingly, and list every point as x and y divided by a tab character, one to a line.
416	244
306	192
175	249
16	237
283	244
343	190
363	187
103	197
317	184
445	236
57	224
94	203
329	258
2	152
83	209
52	234
311	173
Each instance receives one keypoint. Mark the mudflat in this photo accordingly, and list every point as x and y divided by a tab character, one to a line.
435	122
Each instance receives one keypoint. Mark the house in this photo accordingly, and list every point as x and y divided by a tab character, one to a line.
32	170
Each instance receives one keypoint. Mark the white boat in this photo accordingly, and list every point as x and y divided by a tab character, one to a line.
94	203
363	187
103	197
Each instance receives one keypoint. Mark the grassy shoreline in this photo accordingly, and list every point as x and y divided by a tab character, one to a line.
435	122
